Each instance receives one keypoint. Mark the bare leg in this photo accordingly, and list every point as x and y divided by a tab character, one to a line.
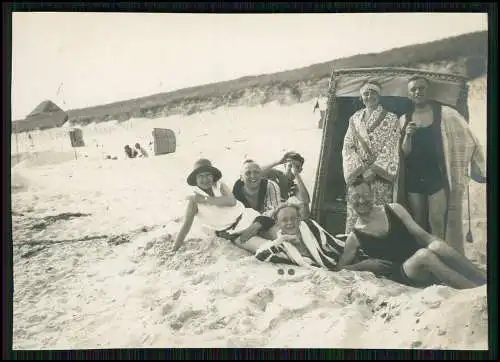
424	261
252	244
437	213
417	209
457	261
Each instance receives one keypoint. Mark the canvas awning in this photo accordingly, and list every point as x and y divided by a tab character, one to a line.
444	88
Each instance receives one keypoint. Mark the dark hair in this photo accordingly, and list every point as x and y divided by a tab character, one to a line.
419	77
249	160
296	157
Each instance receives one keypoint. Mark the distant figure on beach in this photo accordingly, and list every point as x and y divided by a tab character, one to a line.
300	242
292	187
129	152
437	147
139	149
393	245
370	148
215	206
260	194
316	106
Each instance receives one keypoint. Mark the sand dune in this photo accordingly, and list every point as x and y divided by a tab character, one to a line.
91	268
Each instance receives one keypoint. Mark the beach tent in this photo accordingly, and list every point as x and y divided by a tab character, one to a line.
328	202
164	141
45	107
46	115
76	137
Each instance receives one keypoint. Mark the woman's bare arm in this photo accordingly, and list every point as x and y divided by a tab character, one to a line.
350	251
303	194
191	211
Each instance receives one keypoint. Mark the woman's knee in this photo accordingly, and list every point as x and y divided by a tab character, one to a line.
438	247
421	257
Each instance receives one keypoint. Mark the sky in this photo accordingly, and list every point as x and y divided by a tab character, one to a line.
85	59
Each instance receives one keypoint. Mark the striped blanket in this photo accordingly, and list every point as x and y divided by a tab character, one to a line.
325	250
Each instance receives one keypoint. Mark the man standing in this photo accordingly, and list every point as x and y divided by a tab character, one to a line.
436	148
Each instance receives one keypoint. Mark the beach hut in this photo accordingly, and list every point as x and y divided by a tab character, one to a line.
76	137
329	197
164	141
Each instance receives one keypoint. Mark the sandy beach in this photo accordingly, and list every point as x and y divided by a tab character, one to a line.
91	235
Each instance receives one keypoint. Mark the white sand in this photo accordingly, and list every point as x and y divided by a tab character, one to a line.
92	294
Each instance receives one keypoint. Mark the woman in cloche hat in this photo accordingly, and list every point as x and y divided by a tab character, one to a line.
214	205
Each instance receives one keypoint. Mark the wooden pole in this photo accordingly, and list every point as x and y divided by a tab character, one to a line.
324	155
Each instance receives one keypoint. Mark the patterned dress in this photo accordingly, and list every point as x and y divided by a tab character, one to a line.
372	143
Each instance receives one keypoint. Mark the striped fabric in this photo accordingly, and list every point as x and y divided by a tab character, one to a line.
272	199
324	248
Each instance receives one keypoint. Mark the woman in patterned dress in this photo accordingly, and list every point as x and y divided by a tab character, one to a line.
370	148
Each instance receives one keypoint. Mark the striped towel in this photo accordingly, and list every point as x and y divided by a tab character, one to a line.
324	248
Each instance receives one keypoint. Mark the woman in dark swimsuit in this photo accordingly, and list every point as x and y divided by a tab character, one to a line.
395	246
425	177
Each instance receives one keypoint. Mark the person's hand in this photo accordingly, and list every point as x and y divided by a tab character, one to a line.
379	266
411	128
249	232
174	250
369	175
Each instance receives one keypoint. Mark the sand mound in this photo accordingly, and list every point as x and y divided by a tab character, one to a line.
212	294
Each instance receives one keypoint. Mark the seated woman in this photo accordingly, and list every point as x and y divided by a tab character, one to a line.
304	243
214	205
260	194
396	247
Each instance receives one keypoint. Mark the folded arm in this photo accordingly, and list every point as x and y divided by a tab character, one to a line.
227	198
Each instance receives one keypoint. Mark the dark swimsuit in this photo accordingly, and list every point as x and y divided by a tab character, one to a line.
425	164
397	247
